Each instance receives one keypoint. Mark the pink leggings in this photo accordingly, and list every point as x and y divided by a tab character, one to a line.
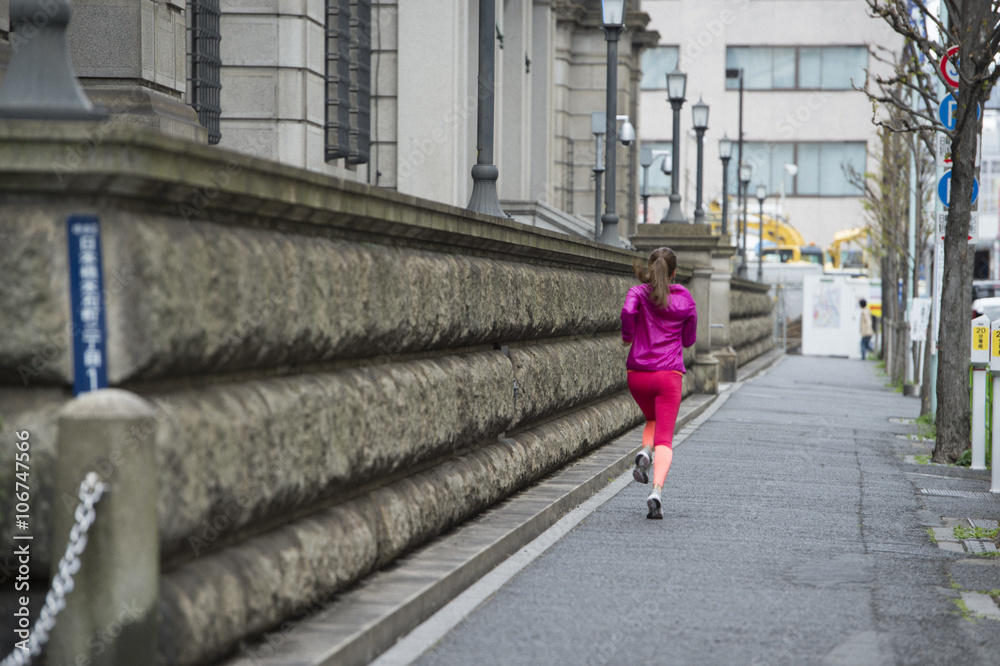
658	395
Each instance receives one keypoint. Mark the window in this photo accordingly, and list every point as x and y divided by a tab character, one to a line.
797	67
348	80
206	64
656	62
659	182
820	168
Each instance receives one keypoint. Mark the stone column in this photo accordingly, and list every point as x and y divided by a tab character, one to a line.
113	603
131	59
722	276
695	246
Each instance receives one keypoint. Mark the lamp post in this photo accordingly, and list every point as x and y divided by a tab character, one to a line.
761	195
746	172
725	153
484	173
597	127
613	16
737	73
676	83
646	158
699	116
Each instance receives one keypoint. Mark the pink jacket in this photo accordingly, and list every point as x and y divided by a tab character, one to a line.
658	336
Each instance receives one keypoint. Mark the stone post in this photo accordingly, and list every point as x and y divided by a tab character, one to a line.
722	275
695	246
110	615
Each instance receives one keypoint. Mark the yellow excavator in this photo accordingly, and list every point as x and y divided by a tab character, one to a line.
789	245
845	259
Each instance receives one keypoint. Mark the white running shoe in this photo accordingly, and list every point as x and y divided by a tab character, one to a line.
640	471
655	506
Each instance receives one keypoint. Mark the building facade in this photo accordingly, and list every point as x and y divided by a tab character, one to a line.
382	92
801	63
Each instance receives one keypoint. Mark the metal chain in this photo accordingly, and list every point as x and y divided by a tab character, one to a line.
91	490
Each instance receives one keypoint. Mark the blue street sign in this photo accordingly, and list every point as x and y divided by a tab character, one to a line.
944	189
90	333
947	111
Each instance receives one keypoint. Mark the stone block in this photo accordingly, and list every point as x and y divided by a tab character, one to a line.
106	40
746	331
555	377
704	374
727	364
249	41
295	36
245	452
170	37
252	93
209	604
205	298
292	143
35	348
35	411
743	303
315	99
254	138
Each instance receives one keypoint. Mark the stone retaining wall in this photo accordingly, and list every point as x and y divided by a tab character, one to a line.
339	373
751	319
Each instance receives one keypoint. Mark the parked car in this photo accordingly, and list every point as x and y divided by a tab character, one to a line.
986	306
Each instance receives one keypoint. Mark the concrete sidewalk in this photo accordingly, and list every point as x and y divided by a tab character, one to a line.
362	623
798	530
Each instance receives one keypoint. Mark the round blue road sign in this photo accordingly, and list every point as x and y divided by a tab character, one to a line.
944	189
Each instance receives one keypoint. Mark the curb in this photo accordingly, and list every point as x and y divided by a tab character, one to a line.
367	620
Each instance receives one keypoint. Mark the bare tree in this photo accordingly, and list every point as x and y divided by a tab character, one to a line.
886	202
974	27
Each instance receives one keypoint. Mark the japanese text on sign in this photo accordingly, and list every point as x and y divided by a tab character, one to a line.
980	338
87	296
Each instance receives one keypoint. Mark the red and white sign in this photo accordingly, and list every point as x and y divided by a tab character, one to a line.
949	67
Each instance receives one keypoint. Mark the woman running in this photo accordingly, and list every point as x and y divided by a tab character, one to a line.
659	319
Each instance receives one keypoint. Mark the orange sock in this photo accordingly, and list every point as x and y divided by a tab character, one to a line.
662	458
647	434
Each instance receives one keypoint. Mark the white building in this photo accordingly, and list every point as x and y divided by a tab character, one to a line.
382	92
800	61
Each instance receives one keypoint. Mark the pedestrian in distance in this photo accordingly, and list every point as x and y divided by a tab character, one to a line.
867	329
659	319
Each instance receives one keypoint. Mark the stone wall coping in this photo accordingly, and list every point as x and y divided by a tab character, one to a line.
98	161
743	284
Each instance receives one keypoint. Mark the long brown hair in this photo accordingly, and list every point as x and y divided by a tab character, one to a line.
658	274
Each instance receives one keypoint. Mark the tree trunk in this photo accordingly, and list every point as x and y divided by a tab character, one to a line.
954	413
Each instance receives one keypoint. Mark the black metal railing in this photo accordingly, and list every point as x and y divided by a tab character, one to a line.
348	80
206	64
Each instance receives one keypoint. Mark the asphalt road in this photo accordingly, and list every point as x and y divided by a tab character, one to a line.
794	532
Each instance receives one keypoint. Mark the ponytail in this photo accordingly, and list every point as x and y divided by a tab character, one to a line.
658	274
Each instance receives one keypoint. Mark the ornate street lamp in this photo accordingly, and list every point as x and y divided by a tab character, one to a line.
699	116
484	174
761	195
613	15
737	73
41	83
676	84
746	173
725	153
